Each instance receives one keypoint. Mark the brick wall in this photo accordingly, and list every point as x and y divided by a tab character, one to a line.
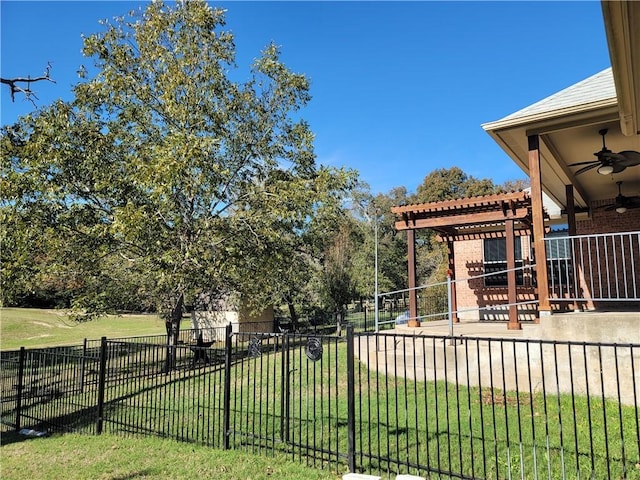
602	221
611	271
473	294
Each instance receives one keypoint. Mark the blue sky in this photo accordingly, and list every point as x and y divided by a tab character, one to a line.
399	88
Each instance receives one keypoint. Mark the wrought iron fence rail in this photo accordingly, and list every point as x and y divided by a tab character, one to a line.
378	403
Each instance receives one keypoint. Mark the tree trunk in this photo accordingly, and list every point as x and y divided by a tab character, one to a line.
294	315
172	324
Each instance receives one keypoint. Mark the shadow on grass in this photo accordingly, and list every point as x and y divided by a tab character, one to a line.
8	438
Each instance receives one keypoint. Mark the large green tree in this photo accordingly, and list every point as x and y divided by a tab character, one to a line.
451	183
338	282
195	180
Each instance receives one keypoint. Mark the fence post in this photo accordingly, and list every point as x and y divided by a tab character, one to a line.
83	362
101	384
449	303
19	387
365	318
227	387
351	402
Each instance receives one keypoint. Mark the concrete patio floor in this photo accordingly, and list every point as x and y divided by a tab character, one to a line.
607	326
464	328
564	353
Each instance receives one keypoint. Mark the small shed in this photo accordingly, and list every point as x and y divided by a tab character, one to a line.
211	316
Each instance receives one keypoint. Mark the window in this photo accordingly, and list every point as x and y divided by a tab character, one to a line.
559	264
495	260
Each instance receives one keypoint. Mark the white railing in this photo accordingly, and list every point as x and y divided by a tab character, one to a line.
583	268
434	301
601	267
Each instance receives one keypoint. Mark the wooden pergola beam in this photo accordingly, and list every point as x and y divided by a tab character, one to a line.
512	294
472	202
416	222
413	294
481	234
452	274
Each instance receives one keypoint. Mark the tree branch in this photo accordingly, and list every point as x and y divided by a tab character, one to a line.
26	90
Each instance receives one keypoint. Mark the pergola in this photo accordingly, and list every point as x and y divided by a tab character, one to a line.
488	216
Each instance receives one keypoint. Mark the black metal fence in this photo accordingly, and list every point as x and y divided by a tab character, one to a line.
376	403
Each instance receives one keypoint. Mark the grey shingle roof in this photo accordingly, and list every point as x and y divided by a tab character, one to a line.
593	89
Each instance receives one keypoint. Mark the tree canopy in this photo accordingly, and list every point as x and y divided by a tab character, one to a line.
166	179
163	164
448	184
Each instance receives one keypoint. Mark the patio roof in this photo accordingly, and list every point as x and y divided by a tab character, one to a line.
594	92
568	122
621	21
473	217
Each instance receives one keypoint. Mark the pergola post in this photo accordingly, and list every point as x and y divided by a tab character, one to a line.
537	208
452	274
463	219
512	295
413	293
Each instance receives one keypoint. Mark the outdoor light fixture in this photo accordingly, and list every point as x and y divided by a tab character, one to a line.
607	161
621	209
605	170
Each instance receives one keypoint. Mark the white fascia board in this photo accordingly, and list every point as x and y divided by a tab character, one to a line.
562	113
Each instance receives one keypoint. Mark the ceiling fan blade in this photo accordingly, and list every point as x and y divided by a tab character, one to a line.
617	167
607	206
610	157
587	168
584	163
630	158
632	202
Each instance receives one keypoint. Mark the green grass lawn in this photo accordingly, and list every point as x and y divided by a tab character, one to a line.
478	432
75	456
35	328
399	422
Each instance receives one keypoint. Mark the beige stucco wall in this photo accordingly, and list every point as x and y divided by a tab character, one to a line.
545	366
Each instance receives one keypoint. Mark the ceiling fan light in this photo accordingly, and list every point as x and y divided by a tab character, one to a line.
605	170
621	209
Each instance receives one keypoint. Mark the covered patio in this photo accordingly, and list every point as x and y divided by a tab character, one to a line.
580	148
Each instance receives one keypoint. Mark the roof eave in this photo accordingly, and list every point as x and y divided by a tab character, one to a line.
545	120
620	22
